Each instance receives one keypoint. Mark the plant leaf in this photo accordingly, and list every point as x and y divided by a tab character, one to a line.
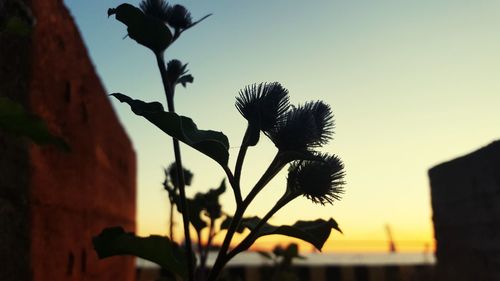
292	252
314	232
114	241
195	209
211	143
18	26
145	30
202	205
208	202
16	120
188	78
227	222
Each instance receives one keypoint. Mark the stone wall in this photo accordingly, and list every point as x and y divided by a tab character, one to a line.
52	202
466	212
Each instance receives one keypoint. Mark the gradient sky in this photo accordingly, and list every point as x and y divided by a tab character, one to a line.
411	84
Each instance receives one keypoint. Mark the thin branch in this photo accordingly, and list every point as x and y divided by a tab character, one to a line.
178	32
241	157
205	253
235	185
273	169
200	245
172	223
169	89
253	235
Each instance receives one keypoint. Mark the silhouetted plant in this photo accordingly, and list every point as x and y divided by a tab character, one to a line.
171	185
296	131
204	209
16	18
282	259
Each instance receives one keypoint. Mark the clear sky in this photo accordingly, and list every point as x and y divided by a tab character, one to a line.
411	84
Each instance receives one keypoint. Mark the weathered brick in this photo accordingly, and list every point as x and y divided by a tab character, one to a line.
53	202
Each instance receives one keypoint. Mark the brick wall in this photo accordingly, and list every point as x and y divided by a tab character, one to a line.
53	202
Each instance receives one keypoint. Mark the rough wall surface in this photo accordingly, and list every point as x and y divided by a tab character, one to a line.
14	211
466	212
14	190
53	202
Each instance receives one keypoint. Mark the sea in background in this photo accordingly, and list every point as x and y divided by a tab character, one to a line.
326	259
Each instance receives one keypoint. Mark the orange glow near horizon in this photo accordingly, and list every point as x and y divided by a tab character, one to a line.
343	245
418	241
348	246
412	84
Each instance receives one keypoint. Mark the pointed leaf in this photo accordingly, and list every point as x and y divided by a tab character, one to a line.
203	205
216	192
185	79
213	144
195	208
15	120
209	201
227	222
114	241
315	232
145	30
292	252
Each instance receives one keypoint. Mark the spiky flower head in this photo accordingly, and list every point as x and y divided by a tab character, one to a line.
304	127
171	174
159	9
180	17
320	180
175	68
263	105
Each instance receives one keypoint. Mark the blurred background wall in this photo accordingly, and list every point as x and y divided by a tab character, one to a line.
51	201
466	213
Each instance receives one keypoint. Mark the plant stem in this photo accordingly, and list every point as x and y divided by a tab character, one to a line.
204	255
171	227
199	274
204	251
250	239
275	166
241	156
239	166
200	245
169	88
235	185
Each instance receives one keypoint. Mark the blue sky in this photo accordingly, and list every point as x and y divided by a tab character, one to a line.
411	84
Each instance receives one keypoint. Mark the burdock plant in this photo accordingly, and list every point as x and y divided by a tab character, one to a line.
296	131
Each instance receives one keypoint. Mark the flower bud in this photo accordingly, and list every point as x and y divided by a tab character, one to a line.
320	180
304	127
146	30
180	17
264	106
156	8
